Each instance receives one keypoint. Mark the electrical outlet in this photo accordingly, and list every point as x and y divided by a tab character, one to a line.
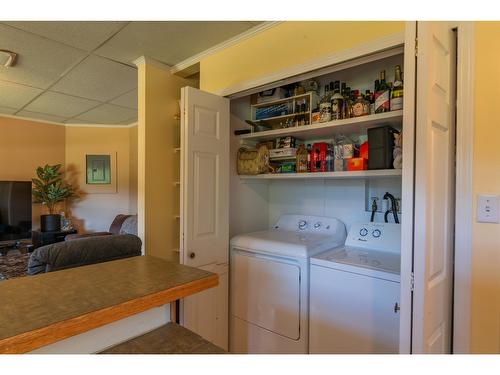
487	209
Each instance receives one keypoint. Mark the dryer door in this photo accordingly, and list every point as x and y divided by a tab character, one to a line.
266	292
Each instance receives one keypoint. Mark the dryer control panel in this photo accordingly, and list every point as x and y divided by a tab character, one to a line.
310	224
375	236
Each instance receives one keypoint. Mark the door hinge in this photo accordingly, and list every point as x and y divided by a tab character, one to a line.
412	281
416	47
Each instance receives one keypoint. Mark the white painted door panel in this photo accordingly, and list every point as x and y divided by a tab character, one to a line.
351	313
204	217
434	188
206	313
205	178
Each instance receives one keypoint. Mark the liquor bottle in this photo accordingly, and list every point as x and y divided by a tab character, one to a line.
359	106
367	103
382	95
337	102
325	106
348	103
397	92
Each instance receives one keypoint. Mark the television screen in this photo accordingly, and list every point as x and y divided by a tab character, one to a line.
15	210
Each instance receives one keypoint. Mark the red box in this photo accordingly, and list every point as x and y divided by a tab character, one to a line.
318	157
363	150
357	164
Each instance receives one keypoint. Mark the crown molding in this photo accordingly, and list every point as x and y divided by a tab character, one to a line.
150	61
68	125
195	59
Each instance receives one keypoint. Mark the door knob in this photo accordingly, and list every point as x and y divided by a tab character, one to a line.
192	255
396	308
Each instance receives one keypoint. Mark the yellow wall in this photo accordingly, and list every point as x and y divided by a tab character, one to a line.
25	145
158	165
133	169
97	206
485	304
285	45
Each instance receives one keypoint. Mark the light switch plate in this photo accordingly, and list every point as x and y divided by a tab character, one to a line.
487	209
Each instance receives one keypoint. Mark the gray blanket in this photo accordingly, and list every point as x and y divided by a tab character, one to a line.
83	251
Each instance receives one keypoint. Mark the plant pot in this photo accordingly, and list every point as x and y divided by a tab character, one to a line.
50	223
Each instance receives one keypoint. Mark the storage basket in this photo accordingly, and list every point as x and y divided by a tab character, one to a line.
253	161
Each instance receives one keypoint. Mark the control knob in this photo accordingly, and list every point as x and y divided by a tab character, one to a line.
376	233
363	232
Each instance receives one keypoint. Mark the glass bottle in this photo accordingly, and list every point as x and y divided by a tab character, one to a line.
302	157
337	102
397	92
325	106
359	106
382	95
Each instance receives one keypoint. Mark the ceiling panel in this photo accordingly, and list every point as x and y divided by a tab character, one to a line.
14	95
7	110
86	35
41	116
128	100
105	114
128	121
169	42
98	79
40	62
65	106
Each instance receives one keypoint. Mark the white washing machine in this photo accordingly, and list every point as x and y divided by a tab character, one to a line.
270	283
354	295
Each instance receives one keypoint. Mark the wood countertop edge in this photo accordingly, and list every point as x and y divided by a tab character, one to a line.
37	338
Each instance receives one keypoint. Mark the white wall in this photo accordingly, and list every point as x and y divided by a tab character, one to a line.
343	199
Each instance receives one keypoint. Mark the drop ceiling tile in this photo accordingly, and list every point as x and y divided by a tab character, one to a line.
105	114
129	121
41	116
14	95
62	105
7	110
85	35
128	100
98	79
40	61
169	41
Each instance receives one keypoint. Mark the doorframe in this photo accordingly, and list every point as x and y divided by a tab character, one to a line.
464	155
463	192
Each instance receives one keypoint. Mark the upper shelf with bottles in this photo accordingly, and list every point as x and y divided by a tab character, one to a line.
341	101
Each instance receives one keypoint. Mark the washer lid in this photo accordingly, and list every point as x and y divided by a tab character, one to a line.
296	244
388	262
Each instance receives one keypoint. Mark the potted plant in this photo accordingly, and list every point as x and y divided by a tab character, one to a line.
49	189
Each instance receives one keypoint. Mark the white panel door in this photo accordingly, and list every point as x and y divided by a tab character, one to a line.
205	178
207	312
434	188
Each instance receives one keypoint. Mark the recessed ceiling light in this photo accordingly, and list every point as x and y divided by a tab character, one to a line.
7	58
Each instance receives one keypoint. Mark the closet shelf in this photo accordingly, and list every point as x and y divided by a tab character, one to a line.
328	129
327	175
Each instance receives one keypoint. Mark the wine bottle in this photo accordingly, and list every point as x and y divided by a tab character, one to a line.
382	95
397	92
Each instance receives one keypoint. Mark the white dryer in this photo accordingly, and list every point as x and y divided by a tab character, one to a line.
355	289
270	283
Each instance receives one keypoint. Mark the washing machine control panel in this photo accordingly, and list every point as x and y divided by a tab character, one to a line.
376	236
310	224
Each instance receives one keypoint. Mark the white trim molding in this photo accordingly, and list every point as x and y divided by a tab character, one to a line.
378	45
195	59
150	61
69	125
463	194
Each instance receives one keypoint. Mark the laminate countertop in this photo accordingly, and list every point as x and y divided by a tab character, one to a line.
39	310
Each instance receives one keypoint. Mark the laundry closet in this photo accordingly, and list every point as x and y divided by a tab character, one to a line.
218	203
